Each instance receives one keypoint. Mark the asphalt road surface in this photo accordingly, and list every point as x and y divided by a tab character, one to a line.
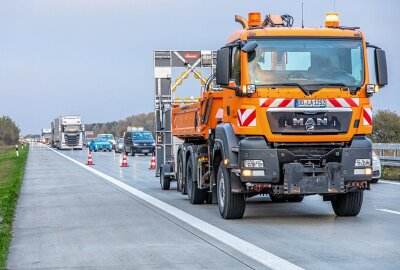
103	218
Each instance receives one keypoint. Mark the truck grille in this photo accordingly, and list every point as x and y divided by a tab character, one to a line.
72	140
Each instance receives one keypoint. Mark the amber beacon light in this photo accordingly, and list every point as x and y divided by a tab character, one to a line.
254	19
332	20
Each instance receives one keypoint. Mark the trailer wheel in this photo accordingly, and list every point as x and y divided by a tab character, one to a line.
231	205
195	195
374	180
349	204
180	181
165	181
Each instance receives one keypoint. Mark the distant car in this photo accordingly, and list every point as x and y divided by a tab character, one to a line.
87	141
139	142
110	138
100	144
376	168
120	147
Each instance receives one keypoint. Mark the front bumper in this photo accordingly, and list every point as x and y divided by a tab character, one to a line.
143	149
293	171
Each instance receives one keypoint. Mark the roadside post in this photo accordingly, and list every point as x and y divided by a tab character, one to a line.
16	150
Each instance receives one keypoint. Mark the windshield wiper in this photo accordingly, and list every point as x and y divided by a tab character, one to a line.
305	91
327	84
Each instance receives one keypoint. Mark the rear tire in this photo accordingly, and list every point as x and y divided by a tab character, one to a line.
165	181
195	195
348	205
180	179
231	205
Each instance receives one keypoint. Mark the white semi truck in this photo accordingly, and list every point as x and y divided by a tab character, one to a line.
46	135
67	132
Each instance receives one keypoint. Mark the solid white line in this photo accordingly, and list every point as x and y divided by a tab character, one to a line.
389	211
389	182
256	253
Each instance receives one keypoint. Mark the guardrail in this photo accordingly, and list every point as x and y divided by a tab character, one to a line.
389	153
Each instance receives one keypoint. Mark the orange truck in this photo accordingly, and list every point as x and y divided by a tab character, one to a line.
286	113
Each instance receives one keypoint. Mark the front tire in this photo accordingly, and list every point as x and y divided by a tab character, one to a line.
231	205
195	195
348	205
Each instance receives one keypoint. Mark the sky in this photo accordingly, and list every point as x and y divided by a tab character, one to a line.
95	57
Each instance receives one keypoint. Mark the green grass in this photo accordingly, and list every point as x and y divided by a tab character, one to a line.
390	173
11	175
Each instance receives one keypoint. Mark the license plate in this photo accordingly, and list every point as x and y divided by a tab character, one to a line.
310	103
145	151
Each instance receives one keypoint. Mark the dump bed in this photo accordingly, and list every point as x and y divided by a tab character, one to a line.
195	119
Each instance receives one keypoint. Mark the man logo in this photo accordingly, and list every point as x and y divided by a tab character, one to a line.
309	123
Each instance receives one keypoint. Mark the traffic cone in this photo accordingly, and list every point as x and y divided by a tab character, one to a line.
124	161
89	160
153	162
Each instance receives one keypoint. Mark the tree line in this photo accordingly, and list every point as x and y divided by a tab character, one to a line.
9	131
145	120
385	127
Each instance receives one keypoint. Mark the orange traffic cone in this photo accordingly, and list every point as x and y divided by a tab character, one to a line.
153	162
89	160
124	161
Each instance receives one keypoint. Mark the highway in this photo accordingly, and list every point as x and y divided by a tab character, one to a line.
304	235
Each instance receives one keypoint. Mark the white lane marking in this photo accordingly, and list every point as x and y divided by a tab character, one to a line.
389	182
389	211
256	253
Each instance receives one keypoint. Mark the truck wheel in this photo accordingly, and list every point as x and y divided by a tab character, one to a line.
195	195
231	205
180	183
347	205
165	181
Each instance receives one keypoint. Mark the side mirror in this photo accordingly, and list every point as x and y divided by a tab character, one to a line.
223	61
250	46
381	67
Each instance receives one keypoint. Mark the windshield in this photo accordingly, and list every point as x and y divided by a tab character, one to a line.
72	128
307	62
100	140
142	136
106	136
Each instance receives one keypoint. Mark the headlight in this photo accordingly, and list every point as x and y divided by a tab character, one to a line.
362	162
120	145
135	144
253	163
153	144
375	157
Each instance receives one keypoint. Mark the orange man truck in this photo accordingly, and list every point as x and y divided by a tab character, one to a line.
288	115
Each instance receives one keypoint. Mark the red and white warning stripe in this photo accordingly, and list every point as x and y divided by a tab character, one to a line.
289	102
247	117
367	116
276	102
343	102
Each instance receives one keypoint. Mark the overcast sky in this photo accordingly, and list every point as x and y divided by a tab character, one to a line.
94	57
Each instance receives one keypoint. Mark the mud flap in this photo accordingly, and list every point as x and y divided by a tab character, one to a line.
299	179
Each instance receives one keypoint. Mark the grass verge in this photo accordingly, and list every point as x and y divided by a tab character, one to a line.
390	173
11	175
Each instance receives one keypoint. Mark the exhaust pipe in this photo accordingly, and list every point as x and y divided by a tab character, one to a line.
242	21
